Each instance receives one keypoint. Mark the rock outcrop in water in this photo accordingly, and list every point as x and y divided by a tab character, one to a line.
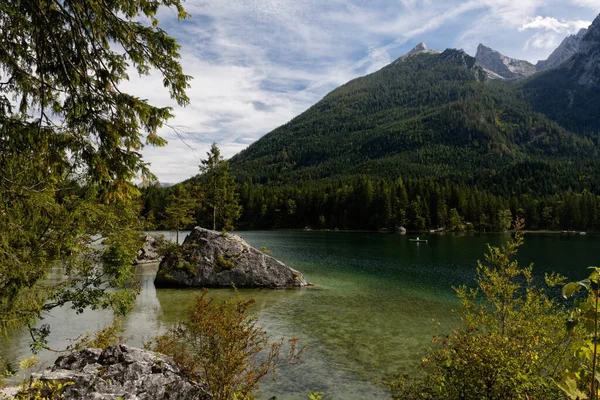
215	259
149	252
121	372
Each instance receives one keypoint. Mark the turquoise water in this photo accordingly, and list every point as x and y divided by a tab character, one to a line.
377	302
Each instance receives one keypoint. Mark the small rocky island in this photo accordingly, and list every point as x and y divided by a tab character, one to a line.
216	259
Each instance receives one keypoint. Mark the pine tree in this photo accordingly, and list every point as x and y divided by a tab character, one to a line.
221	196
181	207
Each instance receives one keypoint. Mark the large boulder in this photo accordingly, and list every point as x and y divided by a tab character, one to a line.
121	372
217	259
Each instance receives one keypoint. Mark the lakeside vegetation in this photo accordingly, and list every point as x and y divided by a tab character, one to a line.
424	144
366	203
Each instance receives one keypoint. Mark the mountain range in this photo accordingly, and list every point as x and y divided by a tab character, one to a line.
442	114
438	139
499	66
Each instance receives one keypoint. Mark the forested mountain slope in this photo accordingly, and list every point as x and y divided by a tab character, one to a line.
435	140
425	116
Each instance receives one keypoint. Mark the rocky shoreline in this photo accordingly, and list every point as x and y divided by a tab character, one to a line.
117	372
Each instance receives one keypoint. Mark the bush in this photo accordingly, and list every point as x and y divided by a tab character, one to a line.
109	336
512	344
218	346
582	381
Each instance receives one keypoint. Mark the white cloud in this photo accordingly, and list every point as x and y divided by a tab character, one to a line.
553	24
258	63
543	41
551	31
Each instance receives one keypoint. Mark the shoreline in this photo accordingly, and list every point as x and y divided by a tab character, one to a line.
525	231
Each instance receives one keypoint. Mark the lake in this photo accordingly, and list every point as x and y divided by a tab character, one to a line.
377	302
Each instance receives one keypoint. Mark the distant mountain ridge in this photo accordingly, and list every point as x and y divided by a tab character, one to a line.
567	48
447	116
570	93
499	66
503	66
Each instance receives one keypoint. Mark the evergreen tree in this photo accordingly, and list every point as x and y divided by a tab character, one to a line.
221	197
70	141
181	208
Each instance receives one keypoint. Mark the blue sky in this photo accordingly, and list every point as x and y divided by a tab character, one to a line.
257	64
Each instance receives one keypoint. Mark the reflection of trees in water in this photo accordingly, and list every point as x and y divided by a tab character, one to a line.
143	323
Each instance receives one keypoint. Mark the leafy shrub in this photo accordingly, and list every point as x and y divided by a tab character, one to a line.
109	336
582	381
512	343
218	346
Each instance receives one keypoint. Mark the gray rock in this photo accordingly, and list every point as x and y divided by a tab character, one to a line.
214	259
149	253
121	372
421	48
585	64
567	48
501	65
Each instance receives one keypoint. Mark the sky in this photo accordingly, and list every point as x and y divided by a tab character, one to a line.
256	64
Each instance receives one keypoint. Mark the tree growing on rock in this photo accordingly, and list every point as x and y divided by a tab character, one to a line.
182	203
221	196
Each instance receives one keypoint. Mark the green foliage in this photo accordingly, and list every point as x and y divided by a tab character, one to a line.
109	336
219	346
182	204
47	390
512	342
583	381
221	196
70	140
224	264
35	389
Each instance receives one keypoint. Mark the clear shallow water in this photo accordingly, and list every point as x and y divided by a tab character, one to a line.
378	300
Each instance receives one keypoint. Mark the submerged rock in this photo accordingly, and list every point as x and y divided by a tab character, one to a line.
121	372
215	259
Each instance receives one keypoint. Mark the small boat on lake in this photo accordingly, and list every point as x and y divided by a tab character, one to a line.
417	240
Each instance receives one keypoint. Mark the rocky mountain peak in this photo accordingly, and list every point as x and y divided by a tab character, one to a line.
567	48
585	64
591	38
421	48
501	66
